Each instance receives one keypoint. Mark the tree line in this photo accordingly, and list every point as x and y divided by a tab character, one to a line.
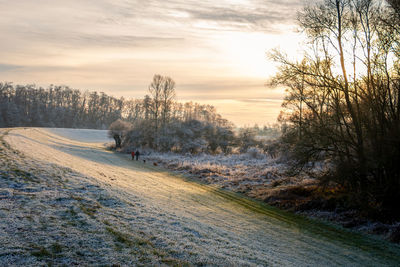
157	121
343	103
57	106
161	123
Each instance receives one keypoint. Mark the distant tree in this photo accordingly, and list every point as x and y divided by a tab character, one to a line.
247	138
117	130
167	96
190	134
147	103
155	90
162	91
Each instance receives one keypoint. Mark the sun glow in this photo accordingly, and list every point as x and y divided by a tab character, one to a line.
247	52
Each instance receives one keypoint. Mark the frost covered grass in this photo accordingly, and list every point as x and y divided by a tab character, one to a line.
54	216
84	135
254	173
64	202
262	177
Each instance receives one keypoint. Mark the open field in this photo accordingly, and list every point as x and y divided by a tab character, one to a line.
66	201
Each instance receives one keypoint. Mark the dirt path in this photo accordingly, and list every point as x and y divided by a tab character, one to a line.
180	221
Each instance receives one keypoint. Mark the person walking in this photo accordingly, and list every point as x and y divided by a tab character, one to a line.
133	155
137	154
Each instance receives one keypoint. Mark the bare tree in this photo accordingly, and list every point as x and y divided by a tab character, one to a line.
344	97
155	89
167	96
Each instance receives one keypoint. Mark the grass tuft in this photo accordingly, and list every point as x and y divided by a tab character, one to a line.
119	236
89	210
41	253
56	248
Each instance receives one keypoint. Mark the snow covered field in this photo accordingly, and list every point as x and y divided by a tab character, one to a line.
66	201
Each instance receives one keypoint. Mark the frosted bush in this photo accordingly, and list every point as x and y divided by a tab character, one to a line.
255	153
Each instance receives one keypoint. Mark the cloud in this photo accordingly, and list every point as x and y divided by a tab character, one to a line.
215	50
126	40
101	40
8	67
277	98
258	16
136	23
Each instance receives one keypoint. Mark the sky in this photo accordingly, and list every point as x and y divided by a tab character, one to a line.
214	50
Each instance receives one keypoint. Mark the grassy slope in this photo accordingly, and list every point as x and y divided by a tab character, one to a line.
59	216
48	216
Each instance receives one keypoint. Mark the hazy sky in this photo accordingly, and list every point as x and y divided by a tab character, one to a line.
214	50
